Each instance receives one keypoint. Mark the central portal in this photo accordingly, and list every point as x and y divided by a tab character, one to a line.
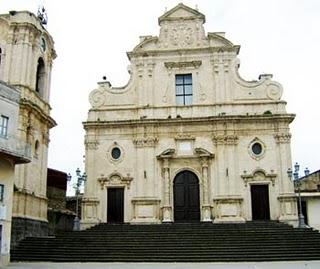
186	197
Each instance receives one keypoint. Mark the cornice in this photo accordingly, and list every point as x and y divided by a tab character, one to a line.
207	120
24	103
162	52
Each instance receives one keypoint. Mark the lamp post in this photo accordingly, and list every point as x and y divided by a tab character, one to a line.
76	186
297	183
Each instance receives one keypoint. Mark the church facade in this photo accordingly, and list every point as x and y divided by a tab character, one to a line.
187	139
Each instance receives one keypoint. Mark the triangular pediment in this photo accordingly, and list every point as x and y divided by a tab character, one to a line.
181	11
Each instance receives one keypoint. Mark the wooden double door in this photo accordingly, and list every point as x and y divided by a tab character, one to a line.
186	197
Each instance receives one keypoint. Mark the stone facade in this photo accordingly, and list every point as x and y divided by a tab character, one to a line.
187	133
27	54
13	151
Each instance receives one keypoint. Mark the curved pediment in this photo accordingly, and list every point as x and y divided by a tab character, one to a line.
218	40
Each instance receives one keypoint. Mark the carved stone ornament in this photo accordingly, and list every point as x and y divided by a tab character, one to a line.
97	97
259	176
181	36
274	91
282	138
184	136
115	180
225	139
92	145
181	65
142	142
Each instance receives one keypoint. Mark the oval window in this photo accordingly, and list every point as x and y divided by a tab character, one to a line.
116	153
256	148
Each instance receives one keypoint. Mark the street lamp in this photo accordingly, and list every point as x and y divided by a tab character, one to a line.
76	186
297	183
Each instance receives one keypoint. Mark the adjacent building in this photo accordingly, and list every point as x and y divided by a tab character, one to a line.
310	196
187	139
27	53
13	151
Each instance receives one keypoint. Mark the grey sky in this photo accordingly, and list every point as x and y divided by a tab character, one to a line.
92	37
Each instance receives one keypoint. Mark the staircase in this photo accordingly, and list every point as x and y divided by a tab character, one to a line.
198	242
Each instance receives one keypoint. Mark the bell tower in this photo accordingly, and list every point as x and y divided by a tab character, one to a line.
26	57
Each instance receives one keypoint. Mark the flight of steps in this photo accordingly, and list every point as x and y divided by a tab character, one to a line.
199	242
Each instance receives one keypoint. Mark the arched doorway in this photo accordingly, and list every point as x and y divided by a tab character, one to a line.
186	197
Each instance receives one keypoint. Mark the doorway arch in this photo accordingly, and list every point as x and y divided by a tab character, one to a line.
186	197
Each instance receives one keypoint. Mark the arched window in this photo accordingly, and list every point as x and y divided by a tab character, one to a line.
40	79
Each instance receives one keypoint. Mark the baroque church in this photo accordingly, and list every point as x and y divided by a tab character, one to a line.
187	139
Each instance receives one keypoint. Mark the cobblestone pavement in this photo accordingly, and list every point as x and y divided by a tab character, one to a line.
256	265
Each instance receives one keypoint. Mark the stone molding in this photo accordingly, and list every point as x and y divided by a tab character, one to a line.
258	175
225	139
115	179
143	142
183	65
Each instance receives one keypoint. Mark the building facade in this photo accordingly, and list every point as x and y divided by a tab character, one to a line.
187	139
13	151
310	196
27	54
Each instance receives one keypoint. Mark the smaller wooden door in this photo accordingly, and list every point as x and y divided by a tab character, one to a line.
260	202
115	205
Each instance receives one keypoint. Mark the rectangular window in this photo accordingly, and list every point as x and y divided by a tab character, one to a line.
184	89
4	126
1	192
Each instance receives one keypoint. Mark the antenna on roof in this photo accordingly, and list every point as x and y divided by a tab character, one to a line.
42	15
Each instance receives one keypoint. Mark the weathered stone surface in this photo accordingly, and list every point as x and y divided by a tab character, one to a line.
233	135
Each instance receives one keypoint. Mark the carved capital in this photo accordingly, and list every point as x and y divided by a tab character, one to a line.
283	138
91	145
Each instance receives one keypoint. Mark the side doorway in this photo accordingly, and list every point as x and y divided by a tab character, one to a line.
115	207
260	202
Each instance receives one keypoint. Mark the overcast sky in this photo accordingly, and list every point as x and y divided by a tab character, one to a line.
92	38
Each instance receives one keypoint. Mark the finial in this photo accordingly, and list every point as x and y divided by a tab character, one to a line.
165	9
196	8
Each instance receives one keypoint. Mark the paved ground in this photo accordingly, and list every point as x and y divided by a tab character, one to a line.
257	265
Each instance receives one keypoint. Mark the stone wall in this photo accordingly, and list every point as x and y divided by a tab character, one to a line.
23	227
